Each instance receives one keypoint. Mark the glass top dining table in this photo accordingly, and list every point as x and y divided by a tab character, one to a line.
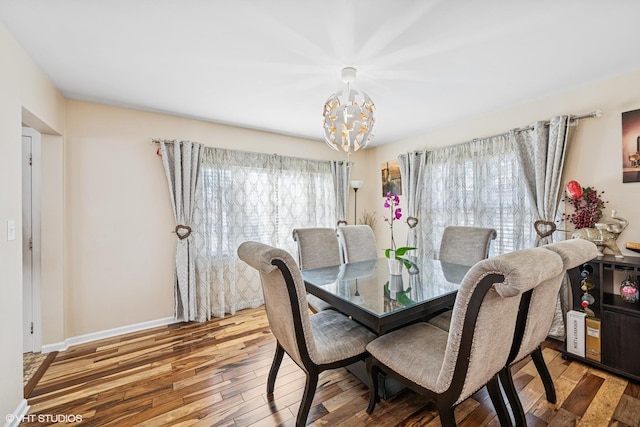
382	302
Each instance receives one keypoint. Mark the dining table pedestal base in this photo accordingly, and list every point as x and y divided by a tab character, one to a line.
387	386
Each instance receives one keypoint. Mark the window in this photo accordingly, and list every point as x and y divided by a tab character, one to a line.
260	197
476	184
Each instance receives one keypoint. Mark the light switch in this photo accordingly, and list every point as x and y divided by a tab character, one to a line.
11	230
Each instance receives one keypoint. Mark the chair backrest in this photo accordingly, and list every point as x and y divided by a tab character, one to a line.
484	317
358	243
317	247
284	298
542	305
465	245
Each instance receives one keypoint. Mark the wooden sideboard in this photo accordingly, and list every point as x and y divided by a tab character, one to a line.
620	320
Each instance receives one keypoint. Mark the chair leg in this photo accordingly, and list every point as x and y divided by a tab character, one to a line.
447	416
493	386
545	376
512	396
372	372
307	398
275	365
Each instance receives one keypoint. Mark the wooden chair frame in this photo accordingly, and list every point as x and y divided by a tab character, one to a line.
445	402
311	369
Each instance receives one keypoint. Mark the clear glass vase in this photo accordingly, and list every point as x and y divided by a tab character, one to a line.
395	265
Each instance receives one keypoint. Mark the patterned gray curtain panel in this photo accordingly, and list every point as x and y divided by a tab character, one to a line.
412	167
181	160
541	152
341	172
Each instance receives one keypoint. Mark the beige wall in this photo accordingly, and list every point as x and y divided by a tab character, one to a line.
119	217
52	238
22	85
593	159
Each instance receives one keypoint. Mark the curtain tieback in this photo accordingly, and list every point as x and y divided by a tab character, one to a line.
545	228
183	231
412	221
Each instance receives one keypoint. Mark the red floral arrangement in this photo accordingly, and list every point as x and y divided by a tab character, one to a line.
587	205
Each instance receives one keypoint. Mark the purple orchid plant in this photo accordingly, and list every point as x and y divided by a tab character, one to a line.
392	202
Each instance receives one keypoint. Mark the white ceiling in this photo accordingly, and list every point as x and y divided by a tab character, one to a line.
271	64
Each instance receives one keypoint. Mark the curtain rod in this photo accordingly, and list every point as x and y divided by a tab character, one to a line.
597	114
573	121
169	141
173	141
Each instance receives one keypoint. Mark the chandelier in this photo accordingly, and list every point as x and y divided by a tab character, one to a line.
348	116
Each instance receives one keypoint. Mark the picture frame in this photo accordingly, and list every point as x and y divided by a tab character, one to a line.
631	146
391	180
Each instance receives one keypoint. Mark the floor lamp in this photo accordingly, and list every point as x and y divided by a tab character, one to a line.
356	184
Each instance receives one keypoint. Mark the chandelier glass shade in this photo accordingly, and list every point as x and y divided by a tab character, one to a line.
348	116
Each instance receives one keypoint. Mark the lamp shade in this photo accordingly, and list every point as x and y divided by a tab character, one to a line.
355	184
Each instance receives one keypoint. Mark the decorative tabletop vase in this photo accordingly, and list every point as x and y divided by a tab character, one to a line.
395	286
629	291
395	265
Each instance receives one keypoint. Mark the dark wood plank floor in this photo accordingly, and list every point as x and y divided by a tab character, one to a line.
215	374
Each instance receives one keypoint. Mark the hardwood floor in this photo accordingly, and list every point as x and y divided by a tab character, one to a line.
215	374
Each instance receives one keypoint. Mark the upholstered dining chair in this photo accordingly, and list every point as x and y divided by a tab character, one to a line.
450	366
465	245
317	248
326	340
537	311
357	242
462	245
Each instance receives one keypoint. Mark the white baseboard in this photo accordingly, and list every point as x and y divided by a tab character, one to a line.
61	346
14	419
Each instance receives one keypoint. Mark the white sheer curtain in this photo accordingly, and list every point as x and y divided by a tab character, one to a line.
479	183
252	196
505	182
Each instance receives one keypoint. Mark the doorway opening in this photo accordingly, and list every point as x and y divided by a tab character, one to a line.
31	254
